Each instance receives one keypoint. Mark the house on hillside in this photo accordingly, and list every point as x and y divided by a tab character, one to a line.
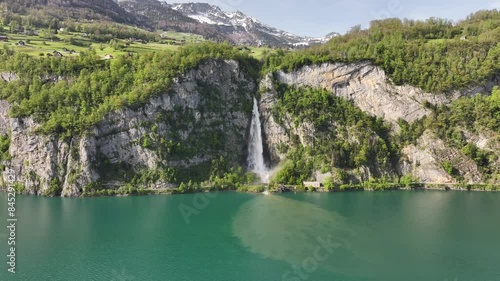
108	57
312	184
65	49
21	43
56	54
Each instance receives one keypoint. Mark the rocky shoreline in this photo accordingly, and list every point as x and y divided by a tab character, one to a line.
263	189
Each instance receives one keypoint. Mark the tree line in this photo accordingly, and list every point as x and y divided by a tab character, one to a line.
435	55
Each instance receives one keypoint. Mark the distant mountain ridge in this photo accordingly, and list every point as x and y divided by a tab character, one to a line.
242	29
214	23
75	9
204	19
160	15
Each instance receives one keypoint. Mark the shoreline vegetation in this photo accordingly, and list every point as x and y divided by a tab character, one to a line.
258	189
276	189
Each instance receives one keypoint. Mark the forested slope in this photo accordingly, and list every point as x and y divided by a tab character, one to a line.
435	55
70	95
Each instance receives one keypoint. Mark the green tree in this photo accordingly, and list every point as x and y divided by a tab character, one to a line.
14	26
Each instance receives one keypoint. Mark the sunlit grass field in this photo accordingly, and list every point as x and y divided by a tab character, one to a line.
38	46
260	52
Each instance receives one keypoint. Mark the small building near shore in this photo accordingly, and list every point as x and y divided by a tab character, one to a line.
314	184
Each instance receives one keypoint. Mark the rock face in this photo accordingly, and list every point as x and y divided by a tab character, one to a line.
8	76
4	117
278	134
204	115
425	161
275	135
370	89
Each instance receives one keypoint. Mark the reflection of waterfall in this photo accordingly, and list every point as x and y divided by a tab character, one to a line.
255	148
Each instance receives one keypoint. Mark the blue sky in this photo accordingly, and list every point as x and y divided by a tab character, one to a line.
319	17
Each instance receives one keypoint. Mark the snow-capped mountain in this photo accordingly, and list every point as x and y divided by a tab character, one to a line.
242	29
213	23
210	14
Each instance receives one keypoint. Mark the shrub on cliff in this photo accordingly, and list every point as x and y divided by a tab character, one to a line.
4	147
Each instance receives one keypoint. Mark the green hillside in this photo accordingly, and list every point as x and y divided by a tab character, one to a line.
98	86
435	55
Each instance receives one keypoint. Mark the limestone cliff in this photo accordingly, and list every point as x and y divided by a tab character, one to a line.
425	159
204	115
8	76
370	89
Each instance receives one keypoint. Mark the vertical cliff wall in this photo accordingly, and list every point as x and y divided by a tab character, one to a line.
369	88
205	115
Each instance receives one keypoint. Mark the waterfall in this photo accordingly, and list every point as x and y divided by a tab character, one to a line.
255	148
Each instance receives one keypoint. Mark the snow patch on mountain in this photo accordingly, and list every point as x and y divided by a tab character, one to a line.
244	28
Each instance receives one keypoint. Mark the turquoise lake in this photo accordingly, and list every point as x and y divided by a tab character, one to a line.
361	236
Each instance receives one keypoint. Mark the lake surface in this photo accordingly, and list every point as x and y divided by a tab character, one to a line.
362	236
